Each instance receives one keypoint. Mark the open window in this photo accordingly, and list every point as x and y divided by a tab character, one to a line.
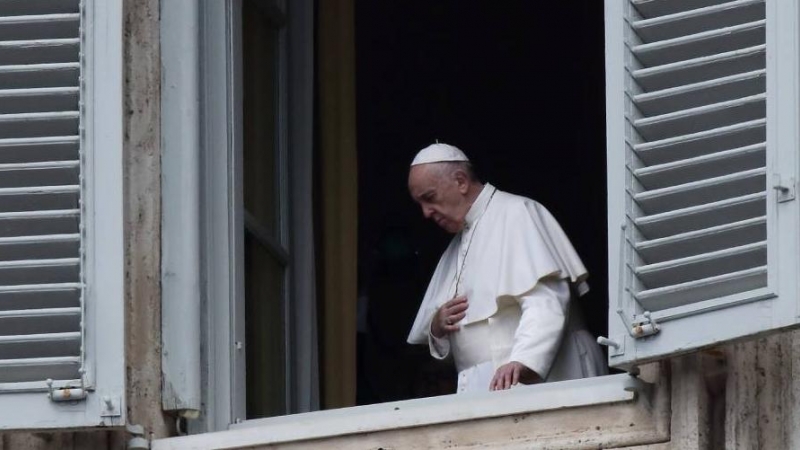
702	162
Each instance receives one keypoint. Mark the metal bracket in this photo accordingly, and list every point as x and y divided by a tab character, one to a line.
647	327
785	191
639	387
66	393
111	406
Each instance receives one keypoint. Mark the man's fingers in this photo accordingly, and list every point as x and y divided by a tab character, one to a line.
461	307
455	318
515	376
456	301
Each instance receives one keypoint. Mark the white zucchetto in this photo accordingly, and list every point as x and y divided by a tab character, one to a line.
435	153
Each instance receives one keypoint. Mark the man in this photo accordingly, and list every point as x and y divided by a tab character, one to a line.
500	298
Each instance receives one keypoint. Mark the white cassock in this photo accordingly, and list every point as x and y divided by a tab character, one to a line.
518	271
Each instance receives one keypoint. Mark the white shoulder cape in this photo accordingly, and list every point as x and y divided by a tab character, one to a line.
516	243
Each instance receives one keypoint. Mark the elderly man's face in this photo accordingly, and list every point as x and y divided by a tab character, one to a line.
441	196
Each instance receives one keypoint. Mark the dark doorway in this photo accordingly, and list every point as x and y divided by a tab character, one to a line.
519	86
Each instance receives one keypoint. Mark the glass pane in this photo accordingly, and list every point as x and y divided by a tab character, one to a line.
260	79
264	328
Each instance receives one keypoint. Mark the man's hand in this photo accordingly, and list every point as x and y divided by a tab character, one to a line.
512	373
447	317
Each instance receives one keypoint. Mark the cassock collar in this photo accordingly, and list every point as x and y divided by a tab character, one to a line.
479	206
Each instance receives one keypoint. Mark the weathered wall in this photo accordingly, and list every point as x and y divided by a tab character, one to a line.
142	259
743	396
143	215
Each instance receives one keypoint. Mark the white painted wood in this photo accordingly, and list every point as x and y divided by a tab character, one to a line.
698	136
55	318
411	413
222	359
180	197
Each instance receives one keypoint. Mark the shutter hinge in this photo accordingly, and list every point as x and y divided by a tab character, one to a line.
67	393
785	191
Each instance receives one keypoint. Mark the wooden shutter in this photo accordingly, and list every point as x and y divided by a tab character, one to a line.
697	178
52	207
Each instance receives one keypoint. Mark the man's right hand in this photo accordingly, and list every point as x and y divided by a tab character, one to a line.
448	316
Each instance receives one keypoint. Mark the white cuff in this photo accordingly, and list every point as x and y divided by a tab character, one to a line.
439	347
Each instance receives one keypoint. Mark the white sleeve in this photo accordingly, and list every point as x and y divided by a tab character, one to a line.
440	347
544	314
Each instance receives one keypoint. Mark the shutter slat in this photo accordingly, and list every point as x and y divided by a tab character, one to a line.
702	68
40	165
702	118
38	19
698	290
20	240
39	51
38	190
39	149
702	216
40	345
52	26
39	124
20	76
32	369
655	8
30	223
38	271
696	20
40	248
40	288
40	321
701	143
705	92
40	296
697	168
703	241
45	99
37	7
700	192
702	44
702	266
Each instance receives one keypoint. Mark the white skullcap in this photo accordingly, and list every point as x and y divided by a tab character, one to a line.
438	153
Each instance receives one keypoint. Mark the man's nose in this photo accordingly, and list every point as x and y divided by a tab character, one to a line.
427	212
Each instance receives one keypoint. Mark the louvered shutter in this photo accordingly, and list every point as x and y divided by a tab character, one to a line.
51	149
701	111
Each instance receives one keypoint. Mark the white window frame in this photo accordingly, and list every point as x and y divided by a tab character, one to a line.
103	240
220	214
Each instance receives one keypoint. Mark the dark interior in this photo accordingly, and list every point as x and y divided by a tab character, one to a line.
519	86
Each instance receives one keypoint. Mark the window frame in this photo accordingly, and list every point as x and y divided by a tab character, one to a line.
104	264
222	216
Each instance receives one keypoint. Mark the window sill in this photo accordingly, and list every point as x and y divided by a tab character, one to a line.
394	416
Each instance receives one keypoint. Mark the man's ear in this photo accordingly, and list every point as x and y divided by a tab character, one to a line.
462	180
